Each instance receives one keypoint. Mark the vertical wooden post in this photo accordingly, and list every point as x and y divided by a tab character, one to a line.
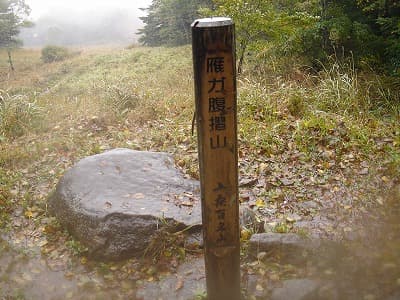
215	97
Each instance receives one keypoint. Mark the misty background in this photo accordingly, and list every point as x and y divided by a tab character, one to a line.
92	23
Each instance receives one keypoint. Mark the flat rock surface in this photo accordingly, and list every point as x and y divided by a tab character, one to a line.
114	202
289	247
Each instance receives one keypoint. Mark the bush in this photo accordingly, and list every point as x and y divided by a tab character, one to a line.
54	53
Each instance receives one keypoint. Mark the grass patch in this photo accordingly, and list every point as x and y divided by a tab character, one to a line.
142	98
18	115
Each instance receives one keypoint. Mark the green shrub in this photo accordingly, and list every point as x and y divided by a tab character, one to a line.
296	104
54	53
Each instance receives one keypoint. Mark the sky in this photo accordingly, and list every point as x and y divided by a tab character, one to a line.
45	7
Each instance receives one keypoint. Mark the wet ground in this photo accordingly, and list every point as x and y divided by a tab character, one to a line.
365	266
38	260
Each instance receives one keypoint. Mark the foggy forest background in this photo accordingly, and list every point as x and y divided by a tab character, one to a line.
112	27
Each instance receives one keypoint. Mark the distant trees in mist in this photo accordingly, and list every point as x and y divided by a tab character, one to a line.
114	27
13	16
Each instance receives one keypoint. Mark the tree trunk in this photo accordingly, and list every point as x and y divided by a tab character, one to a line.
10	60
324	30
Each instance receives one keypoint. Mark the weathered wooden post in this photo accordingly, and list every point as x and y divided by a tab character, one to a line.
215	97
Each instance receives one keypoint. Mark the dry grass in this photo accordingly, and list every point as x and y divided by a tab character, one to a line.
142	98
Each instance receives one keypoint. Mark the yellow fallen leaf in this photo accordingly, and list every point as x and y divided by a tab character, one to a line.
260	202
84	260
28	214
245	234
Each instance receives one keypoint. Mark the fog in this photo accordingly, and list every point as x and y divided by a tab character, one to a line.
71	23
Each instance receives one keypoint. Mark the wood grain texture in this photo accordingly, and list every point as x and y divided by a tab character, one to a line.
216	114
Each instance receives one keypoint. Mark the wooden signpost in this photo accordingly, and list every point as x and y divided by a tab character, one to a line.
215	97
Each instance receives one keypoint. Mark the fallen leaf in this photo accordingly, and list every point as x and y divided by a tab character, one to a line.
261	255
84	260
179	284
379	200
245	234
138	196
28	214
69	275
286	182
248	182
259	288
260	203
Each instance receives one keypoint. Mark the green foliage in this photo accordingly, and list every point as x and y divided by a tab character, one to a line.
17	114
263	27
200	295
168	21
76	248
296	105
367	30
13	14
54	53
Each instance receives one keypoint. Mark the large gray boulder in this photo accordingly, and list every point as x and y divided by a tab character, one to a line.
115	202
